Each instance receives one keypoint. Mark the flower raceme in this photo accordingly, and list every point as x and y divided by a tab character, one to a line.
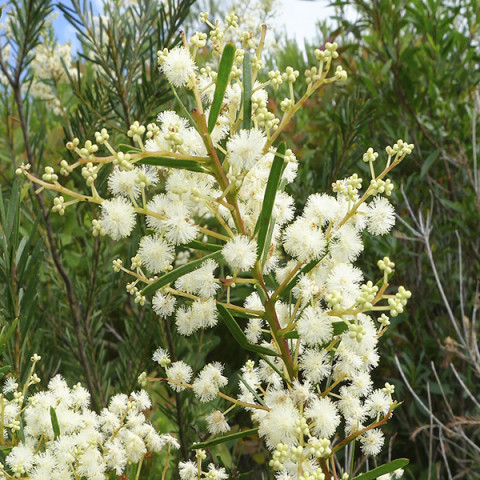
62	438
210	186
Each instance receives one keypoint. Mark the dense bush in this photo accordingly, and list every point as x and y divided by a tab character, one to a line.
417	70
413	70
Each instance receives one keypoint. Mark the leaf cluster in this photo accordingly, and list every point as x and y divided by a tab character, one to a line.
117	81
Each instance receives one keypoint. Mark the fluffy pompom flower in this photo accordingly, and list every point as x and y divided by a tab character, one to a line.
324	415
178	66
201	281
202	314
115	456
279	425
381	216
208	383
216	473
163	305
188	470
179	372
315	365
315	326
344	278
186	322
378	403
122	182
372	442
134	445
253	332
245	148
361	384
20	459
304	241
160	204
206	311
80	396
156	253
217	423
321	208
118	217
161	356
241	252
347	244
179	227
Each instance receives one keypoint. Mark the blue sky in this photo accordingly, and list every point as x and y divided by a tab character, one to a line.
299	17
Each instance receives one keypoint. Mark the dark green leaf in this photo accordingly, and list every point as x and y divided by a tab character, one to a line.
55	426
383	469
178	272
225	438
429	162
252	391
226	63
238	334
264	222
128	148
7	336
247	91
208	247
191	165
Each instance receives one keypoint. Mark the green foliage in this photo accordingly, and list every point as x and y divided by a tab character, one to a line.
27	20
387	468
118	82
226	438
224	69
59	296
265	222
178	272
415	71
247	93
20	260
238	334
415	65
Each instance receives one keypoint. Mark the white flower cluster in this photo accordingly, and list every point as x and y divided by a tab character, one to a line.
48	66
193	470
63	438
311	314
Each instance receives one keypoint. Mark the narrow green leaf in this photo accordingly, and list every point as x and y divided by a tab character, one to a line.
238	334
338	328
191	165
225	438
178	272
428	163
383	469
247	91
226	63
245	475
265	218
128	148
272	366
252	391
13	218
4	370
187	113
208	247
23	259
7	336
55	426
